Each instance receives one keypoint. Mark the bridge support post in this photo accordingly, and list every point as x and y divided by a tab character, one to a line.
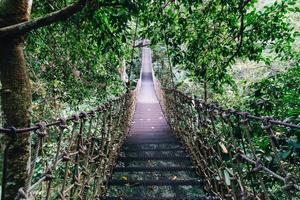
16	99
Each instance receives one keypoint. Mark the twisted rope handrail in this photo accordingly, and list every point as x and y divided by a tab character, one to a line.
73	157
223	145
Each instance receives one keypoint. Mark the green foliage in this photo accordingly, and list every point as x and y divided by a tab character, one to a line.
277	96
206	38
78	61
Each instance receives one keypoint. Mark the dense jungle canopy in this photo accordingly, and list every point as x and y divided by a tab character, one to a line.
60	57
244	48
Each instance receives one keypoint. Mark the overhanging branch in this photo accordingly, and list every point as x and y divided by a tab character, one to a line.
60	15
25	27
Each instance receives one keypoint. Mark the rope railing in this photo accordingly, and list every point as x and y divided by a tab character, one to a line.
240	156
73	157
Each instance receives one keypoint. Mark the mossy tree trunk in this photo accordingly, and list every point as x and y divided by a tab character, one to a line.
16	98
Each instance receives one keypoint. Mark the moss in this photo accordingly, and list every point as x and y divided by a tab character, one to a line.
15	10
16	100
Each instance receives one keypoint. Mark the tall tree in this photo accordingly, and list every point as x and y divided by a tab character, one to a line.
16	97
16	89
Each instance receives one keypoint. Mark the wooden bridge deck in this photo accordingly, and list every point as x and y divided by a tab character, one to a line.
153	163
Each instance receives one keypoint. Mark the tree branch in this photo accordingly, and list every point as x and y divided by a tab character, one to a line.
140	45
241	34
25	27
60	15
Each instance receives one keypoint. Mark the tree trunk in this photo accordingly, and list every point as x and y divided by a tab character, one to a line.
122	69
16	99
205	91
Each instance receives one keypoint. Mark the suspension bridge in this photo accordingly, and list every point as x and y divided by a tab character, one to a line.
158	143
